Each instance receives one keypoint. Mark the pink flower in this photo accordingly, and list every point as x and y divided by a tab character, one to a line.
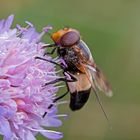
23	100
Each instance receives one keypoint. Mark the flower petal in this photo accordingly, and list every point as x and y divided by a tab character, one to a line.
5	128
51	122
1	24
30	136
52	134
8	22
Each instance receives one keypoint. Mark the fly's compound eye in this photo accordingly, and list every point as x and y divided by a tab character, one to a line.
70	38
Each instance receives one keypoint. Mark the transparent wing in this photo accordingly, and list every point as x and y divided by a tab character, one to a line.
99	80
93	85
86	61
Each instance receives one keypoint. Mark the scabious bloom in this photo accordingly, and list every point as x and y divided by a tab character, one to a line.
23	99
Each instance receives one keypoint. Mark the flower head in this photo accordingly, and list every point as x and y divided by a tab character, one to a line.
23	100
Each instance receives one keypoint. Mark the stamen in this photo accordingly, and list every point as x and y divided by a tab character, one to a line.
47	28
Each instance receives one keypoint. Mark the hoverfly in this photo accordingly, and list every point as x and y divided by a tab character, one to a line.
79	66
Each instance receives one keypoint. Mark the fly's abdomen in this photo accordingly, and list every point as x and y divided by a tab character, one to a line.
78	99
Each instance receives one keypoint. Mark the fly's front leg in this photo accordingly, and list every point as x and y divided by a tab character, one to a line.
51	61
54	46
52	51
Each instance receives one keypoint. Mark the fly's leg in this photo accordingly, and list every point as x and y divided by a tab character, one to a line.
73	79
55	100
50	46
52	51
63	95
53	62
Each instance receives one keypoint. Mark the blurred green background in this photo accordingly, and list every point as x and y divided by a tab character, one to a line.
111	29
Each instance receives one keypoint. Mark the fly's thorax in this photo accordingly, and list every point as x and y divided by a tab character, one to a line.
70	57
